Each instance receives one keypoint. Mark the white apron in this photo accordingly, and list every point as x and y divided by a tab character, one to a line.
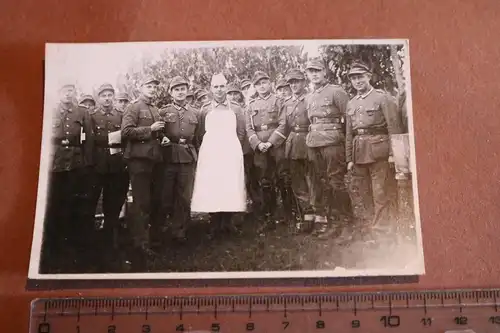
219	184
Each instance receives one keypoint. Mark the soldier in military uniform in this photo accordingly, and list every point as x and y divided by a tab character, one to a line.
87	101
372	116
265	130
283	90
296	151
179	149
141	132
122	101
67	226
190	98
326	106
245	88
202	97
403	108
233	94
110	173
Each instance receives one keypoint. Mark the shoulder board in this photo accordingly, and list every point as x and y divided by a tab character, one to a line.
287	99
235	103
251	100
336	86
380	91
167	106
206	104
94	111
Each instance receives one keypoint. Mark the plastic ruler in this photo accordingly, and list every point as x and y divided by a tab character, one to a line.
405	311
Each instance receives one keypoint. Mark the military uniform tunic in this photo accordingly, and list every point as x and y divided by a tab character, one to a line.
326	107
296	150
371	119
297	124
71	155
144	162
266	122
110	175
180	156
71	138
251	181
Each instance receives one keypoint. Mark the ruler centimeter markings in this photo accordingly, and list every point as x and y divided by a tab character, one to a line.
412	311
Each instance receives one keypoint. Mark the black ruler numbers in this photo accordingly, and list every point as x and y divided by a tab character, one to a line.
148	306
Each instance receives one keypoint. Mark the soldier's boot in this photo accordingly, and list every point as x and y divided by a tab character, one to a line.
320	224
268	207
217	225
228	224
307	224
290	200
141	257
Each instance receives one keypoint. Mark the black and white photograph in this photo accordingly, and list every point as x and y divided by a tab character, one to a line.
227	159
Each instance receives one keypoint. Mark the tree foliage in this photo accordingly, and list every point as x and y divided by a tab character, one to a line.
197	65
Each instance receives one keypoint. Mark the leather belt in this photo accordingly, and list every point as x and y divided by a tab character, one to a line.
325	127
67	142
300	128
370	131
102	144
319	120
265	127
181	141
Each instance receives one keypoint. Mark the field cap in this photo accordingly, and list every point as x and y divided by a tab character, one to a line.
122	96
295	74
104	87
282	83
149	79
315	64
86	98
233	87
245	83
259	75
358	67
177	81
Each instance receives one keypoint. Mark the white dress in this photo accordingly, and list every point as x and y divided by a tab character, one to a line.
219	184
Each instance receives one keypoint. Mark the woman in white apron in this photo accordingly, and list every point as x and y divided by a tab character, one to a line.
219	186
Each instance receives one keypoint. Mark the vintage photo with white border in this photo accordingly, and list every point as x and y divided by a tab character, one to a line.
227	159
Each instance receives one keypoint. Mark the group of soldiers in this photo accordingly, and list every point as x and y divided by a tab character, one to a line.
298	146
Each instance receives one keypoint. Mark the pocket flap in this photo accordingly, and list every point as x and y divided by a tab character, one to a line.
170	117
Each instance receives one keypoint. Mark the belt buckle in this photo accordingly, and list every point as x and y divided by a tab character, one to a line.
263	127
182	141
297	127
362	131
65	142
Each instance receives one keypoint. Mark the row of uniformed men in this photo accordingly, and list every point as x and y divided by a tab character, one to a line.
84	166
303	136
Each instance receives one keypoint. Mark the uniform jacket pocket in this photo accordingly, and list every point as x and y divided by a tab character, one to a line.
170	117
380	147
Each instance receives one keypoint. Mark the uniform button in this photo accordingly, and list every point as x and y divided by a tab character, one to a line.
182	129
67	132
